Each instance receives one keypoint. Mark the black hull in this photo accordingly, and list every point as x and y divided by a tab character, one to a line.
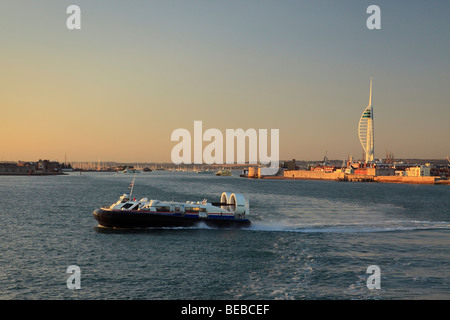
142	219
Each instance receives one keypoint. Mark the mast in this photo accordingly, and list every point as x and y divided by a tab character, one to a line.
132	186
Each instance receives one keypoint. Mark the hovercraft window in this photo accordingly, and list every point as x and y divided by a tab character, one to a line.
127	205
162	209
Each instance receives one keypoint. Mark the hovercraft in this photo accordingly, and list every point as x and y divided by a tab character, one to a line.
230	212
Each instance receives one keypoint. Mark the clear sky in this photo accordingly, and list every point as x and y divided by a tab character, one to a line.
137	70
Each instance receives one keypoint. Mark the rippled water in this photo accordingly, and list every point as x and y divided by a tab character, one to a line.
308	240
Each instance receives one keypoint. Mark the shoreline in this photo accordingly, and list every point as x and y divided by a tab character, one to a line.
377	179
33	174
431	180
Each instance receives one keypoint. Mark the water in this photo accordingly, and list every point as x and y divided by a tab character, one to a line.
308	240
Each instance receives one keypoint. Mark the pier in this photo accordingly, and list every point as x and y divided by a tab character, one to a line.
358	178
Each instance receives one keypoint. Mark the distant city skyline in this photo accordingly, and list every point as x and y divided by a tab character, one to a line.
136	71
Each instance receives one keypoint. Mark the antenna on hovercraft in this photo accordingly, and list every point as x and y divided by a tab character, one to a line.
132	186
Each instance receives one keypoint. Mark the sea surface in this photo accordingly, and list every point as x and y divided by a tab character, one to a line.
308	240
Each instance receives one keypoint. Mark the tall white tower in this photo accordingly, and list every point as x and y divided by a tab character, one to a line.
365	129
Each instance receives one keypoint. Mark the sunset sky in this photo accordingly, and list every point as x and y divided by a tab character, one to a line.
137	70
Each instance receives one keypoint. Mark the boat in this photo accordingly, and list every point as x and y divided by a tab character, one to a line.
203	171
223	172
129	170
127	212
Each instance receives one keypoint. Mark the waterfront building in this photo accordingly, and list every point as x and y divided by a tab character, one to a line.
366	129
419	171
20	168
42	167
